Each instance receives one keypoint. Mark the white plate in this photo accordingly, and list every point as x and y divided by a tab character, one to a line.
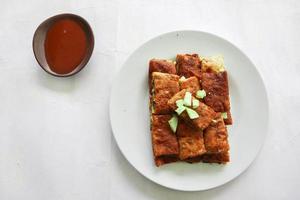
129	112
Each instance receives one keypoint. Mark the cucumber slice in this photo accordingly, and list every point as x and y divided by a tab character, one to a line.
179	102
196	103
182	78
188	99
192	114
224	115
180	109
173	122
200	94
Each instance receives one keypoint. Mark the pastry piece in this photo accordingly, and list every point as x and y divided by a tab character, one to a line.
191	143
162	160
213	64
216	137
159	65
164	141
220	158
188	65
192	84
215	83
164	87
206	114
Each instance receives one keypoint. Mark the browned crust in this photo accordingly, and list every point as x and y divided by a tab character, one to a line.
216	137
162	160
191	83
206	115
217	92
164	76
165	86
164	141
220	158
188	65
228	120
160	65
191	143
164	90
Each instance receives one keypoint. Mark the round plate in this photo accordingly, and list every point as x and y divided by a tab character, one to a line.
130	121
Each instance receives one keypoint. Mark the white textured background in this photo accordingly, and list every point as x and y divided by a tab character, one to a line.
55	136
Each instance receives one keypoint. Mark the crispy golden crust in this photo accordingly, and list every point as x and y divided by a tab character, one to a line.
191	83
165	86
191	143
164	76
164	141
164	90
206	114
159	65
216	137
217	92
188	65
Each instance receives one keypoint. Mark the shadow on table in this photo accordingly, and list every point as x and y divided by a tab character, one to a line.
155	191
62	84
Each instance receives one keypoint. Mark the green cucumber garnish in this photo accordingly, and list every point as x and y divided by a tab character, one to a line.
196	103
188	99
192	114
200	94
180	109
173	122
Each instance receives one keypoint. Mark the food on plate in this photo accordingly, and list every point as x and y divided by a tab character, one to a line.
188	65
164	87
216	137
191	142
160	65
220	158
215	83
191	83
164	141
190	107
203	113
213	63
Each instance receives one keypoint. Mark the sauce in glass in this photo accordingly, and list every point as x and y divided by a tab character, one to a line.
65	45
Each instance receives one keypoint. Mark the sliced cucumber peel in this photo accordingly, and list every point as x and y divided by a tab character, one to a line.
192	114
200	94
188	99
196	103
173	122
179	102
180	109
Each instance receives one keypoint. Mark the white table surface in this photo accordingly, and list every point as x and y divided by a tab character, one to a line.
55	136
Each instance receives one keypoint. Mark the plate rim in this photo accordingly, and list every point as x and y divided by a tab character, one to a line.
117	74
